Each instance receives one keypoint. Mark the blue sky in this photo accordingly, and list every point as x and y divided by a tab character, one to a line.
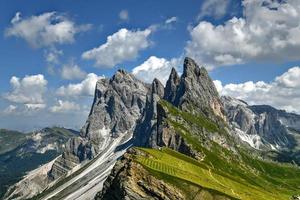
49	49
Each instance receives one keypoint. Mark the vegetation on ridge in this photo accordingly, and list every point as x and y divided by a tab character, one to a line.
233	173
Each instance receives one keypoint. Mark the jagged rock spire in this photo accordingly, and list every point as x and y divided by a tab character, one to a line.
146	131
171	86
195	91
157	88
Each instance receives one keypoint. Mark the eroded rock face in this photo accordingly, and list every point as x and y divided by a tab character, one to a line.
129	180
145	133
196	92
171	86
118	104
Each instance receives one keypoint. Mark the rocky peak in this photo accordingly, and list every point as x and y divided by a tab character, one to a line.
171	86
121	75
196	91
157	88
118	103
190	68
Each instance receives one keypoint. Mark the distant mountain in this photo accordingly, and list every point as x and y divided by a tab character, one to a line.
188	143
275	132
22	152
10	140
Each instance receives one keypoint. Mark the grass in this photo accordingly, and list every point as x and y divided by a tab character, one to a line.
173	164
236	174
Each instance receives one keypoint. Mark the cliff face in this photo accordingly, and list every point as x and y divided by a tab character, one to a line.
196	93
118	104
193	92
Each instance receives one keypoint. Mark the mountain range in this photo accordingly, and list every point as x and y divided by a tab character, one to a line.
23	152
178	141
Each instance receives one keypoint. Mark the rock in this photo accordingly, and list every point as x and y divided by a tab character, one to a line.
129	180
262	127
171	86
146	131
118	104
195	92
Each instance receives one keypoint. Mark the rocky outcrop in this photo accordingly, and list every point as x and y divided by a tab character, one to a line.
146	131
171	86
129	180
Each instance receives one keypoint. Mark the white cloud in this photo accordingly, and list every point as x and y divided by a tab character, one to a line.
84	88
171	20
72	71
124	15
52	55
64	106
121	46
154	67
283	92
214	8
290	79
28	91
45	29
267	31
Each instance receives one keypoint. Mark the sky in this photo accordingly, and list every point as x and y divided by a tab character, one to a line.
52	52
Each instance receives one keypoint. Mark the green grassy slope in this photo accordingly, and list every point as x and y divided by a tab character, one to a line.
237	173
277	182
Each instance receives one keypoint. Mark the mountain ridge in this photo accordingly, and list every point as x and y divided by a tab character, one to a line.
187	116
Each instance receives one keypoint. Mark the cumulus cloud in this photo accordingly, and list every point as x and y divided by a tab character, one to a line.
268	30
64	106
124	15
283	92
155	67
45	29
84	88
214	8
121	46
72	71
28	91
